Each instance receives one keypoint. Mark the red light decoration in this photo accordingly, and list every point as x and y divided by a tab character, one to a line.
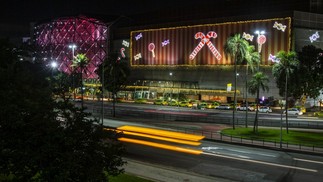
89	35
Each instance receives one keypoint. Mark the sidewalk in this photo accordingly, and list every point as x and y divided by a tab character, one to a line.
166	174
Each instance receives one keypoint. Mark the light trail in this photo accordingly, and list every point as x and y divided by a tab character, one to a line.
163	138
261	162
163	133
175	112
162	146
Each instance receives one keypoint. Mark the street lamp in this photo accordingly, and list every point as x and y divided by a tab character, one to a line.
73	47
281	104
171	94
53	65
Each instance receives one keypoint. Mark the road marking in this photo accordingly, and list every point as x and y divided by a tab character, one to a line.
239	151
261	162
305	160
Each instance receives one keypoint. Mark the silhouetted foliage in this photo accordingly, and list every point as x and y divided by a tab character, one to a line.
43	139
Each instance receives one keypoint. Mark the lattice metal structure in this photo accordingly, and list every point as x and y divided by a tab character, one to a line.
54	39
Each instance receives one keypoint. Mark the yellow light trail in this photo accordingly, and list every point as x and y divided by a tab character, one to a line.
162	146
163	138
163	133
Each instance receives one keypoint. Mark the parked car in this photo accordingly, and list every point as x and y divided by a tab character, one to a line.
160	102
318	114
202	106
265	109
183	104
173	103
244	107
223	107
141	101
193	104
232	105
212	105
293	111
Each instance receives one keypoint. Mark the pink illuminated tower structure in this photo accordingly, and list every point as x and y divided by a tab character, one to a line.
62	38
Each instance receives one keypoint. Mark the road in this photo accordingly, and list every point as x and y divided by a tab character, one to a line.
221	160
171	113
230	162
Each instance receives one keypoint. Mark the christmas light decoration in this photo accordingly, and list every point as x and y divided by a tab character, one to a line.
122	52
247	36
274	59
151	48
314	37
279	26
139	36
165	42
184	50
137	56
205	40
261	39
125	43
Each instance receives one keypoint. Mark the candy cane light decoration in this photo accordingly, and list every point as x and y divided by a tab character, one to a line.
205	40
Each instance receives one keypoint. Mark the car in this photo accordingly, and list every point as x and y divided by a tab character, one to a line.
202	106
160	102
212	105
244	107
183	104
193	104
173	103
265	109
232	105
293	111
223	107
141	101
318	114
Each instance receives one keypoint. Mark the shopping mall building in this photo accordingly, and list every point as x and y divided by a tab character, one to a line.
179	59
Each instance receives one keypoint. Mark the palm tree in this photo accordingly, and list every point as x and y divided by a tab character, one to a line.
252	58
258	80
80	62
288	62
237	48
116	71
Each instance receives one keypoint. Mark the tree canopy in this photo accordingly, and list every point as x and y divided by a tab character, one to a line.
43	139
309	74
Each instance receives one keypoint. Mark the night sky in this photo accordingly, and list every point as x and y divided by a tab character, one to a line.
16	15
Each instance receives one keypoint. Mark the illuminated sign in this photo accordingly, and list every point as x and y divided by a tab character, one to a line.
204	44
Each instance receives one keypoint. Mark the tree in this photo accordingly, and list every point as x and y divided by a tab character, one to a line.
79	64
259	80
237	48
252	58
288	62
42	139
309	74
116	72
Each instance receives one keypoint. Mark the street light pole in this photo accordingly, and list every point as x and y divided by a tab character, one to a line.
73	47
281	123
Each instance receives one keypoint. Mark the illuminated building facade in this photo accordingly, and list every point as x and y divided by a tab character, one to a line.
181	59
59	39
